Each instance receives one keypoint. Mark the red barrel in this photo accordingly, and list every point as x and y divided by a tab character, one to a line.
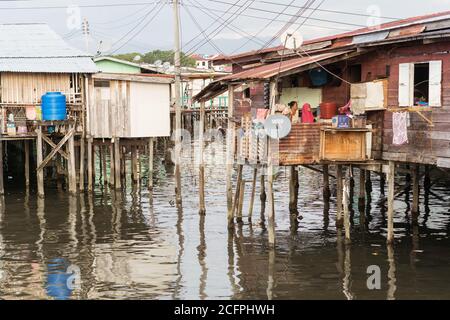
328	110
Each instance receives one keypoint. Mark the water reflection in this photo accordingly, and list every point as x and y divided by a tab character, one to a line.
138	244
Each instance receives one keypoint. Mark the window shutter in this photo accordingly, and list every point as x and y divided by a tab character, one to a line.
406	85
435	83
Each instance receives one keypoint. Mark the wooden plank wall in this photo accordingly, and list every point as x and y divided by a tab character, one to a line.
109	115
28	88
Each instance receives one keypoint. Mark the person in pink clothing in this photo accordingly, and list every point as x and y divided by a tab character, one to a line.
307	115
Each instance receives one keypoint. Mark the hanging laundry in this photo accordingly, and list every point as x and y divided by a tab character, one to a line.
400	128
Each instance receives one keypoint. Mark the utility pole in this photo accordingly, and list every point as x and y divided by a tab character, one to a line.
177	65
85	27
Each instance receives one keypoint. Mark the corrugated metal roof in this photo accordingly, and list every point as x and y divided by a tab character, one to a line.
270	70
48	65
37	48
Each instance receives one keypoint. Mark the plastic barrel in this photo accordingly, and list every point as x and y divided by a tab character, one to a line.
328	110
318	77
54	106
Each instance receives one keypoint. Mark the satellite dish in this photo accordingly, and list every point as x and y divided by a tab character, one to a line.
277	126
166	65
292	40
158	63
137	58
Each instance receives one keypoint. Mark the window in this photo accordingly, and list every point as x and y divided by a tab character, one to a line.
420	84
355	73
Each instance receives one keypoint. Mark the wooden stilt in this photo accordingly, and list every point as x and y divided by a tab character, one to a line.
134	168
345	206
71	165
271	217
90	163
112	170
362	189
150	164
382	183
27	163
82	164
293	190
416	193
238	188
262	197
201	166
390	216
326	183
339	197
230	155
104	172
117	162
368	183
39	159
241	201
252	196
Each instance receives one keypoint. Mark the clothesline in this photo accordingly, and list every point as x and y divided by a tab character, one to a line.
417	110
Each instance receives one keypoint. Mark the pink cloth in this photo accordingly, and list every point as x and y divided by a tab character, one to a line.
261	114
400	128
307	115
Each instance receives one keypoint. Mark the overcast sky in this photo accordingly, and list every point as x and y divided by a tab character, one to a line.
143	25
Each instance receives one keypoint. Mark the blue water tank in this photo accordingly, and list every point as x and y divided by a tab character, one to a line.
54	106
319	77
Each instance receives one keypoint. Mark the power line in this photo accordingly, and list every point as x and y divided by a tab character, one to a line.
277	20
222	26
293	15
136	26
330	11
84	6
231	26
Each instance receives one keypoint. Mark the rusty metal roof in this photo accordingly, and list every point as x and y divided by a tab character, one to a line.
397	28
271	70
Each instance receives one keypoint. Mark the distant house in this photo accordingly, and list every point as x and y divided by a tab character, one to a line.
114	65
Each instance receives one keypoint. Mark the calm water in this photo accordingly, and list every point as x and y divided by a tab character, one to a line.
128	247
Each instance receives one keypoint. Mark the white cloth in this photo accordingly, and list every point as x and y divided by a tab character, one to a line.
399	128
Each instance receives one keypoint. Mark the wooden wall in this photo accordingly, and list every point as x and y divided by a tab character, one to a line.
28	88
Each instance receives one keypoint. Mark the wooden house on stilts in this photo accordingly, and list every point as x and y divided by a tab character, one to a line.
35	60
381	101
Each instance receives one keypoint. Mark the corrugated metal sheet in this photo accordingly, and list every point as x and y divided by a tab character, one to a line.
371	37
37	48
270	70
48	65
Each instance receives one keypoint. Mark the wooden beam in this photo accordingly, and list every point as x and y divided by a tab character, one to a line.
117	160
150	163
53	145
2	187
26	148
230	155
55	149
339	197
201	166
71	165
90	164
252	197
416	193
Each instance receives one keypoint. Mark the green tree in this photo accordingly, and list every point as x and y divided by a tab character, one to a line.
155	55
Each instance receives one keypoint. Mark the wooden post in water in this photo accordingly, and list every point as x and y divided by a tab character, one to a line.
2	187
293	190
362	190
326	183
104	173
82	164
71	164
262	197
252	196
134	174
230	154
150	164
90	162
241	201
270	171
117	160
339	196
39	159
345	206
201	165
416	193
382	183
112	171
27	163
238	190
177	99
390	216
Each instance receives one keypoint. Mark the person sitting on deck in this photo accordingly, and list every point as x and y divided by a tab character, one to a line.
307	115
293	105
